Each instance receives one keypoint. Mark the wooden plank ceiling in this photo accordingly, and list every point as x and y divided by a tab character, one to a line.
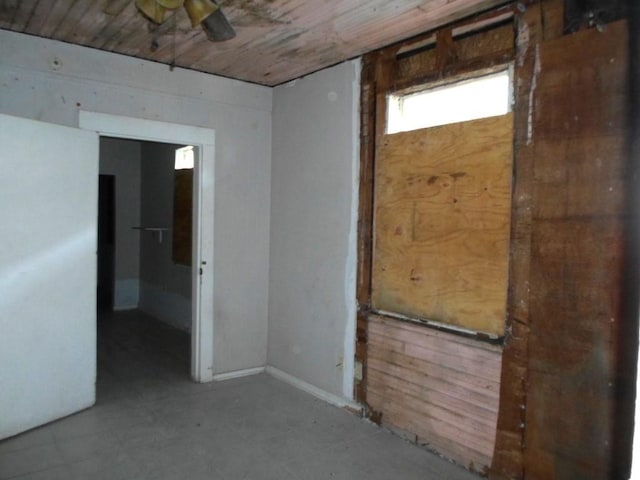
277	40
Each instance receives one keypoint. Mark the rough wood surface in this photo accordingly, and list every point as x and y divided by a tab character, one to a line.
508	458
579	129
443	207
440	387
277	40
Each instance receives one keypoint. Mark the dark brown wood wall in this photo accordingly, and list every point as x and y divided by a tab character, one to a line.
568	371
564	388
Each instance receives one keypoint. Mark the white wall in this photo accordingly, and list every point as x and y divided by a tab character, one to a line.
315	161
121	158
239	112
165	287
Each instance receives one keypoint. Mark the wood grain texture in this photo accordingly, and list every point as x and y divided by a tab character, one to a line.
277	40
508	458
577	256
440	387
442	223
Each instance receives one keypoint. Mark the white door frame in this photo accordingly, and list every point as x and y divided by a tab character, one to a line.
202	320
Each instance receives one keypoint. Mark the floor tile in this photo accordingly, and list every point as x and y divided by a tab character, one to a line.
29	460
151	422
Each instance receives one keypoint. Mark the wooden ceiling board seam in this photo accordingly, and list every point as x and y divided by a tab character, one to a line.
119	24
23	14
66	27
112	10
38	19
56	15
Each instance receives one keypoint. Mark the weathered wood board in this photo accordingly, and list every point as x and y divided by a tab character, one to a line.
579	220
442	223
442	388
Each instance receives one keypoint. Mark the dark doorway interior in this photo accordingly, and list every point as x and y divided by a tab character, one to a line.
106	242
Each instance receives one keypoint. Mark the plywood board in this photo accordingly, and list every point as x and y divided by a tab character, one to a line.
442	223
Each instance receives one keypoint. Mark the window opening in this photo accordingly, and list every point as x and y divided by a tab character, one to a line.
480	97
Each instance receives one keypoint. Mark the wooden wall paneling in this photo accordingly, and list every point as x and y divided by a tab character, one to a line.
365	219
433	378
442	216
440	387
577	256
627	358
508	458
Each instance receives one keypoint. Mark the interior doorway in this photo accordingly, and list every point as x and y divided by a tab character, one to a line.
202	255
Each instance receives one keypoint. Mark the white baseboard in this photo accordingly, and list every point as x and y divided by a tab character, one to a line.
312	389
221	377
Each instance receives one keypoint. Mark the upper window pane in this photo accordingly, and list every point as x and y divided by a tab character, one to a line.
481	97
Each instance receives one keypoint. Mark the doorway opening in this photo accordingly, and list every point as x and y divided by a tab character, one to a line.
155	135
144	261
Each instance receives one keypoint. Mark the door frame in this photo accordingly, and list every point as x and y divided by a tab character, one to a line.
202	260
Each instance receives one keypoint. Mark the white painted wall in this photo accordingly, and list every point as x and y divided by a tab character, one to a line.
313	228
165	287
121	158
240	113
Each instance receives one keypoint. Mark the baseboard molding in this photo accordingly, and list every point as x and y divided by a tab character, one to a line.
313	390
221	377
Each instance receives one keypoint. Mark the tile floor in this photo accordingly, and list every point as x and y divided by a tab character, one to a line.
152	422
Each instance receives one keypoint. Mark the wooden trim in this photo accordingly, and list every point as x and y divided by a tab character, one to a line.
508	458
365	219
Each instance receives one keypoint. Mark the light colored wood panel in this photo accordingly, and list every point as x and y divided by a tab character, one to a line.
433	392
477	365
426	382
441	421
442	220
449	364
446	440
457	385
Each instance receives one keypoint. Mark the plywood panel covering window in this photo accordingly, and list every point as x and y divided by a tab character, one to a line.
442	222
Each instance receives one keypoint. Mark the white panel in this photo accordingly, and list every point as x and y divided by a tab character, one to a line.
48	212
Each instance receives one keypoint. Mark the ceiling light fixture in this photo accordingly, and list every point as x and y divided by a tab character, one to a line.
201	12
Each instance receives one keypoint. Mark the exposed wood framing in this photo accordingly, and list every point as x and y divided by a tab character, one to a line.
508	454
568	371
400	67
567	378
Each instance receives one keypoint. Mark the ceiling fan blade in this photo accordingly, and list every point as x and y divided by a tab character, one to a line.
170	4
152	10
